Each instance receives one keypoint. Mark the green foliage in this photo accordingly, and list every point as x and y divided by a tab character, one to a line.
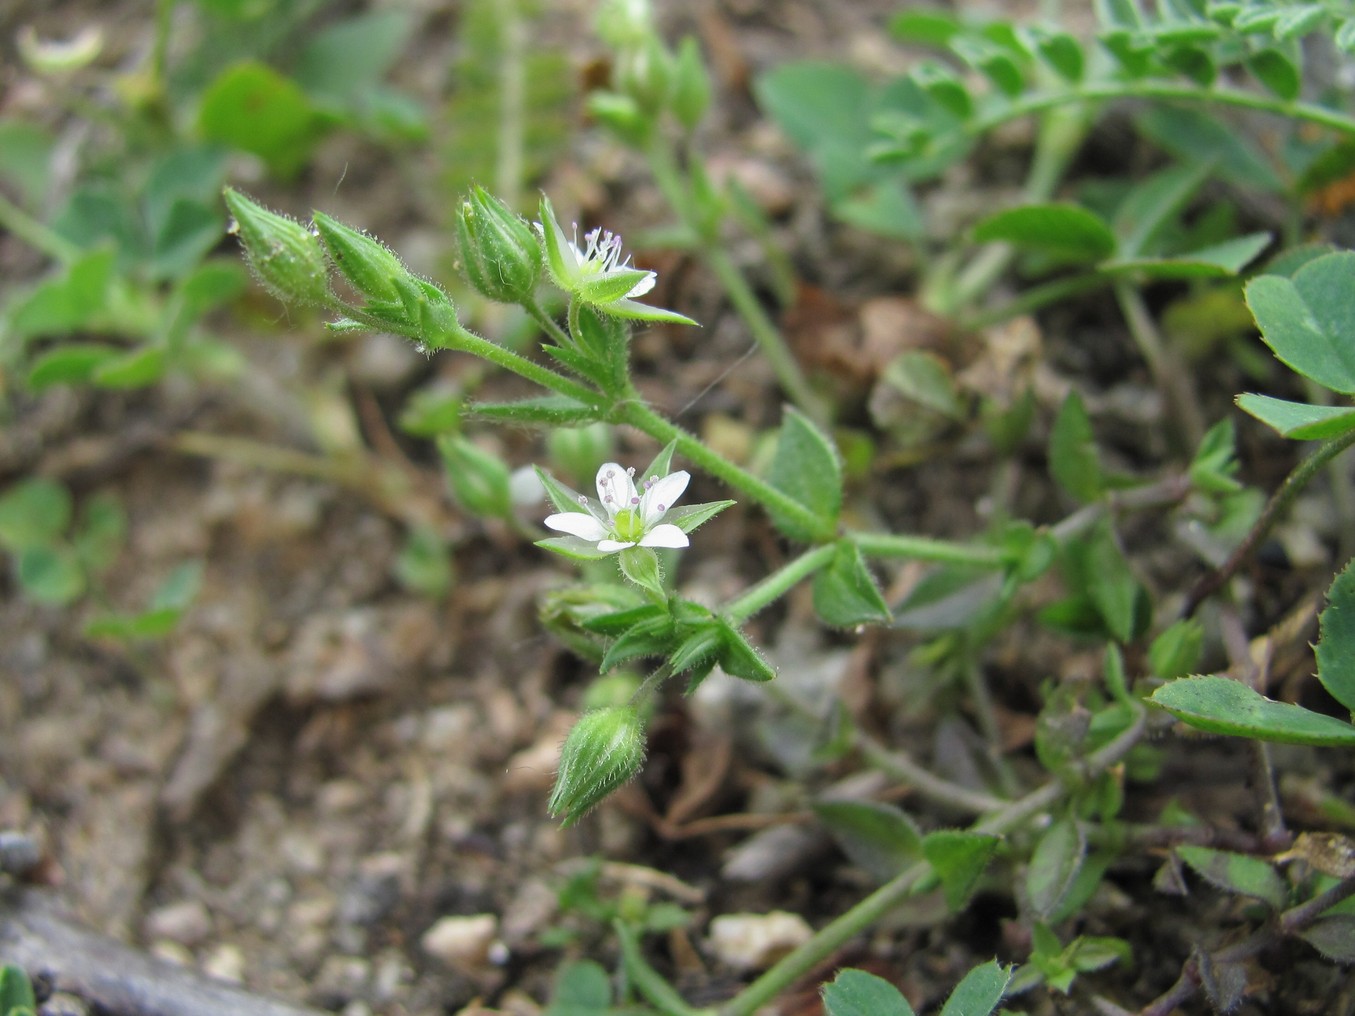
808	468
16	992
55	552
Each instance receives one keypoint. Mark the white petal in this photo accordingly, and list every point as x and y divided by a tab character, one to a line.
662	495
666	535
642	287
612	546
577	524
619	486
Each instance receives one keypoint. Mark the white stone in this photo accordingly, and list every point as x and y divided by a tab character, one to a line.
463	942
756	941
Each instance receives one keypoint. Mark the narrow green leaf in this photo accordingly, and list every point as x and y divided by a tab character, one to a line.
662	465
648	638
657	991
1299	420
563	498
739	658
697	646
618	622
573	548
806	467
582	988
1336	647
136	368
1054	866
878	837
1066	231
1176	652
689	517
1237	873
71	364
543	411
1308	320
993	62
958	857
846	593
1299	20
980	991
1073	458
1154	202
1220	705
1333	936
1217	261
857	993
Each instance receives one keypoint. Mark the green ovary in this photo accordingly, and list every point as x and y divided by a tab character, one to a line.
628	526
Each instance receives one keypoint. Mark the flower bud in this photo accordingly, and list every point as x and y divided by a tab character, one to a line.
644	71
284	254
604	750
479	479
367	263
691	85
500	254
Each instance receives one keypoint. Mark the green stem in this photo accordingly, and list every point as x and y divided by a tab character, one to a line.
1275	507
1038	102
462	340
777	584
14	219
879	903
663	165
512	98
548	324
1033	299
636	413
468	342
921	548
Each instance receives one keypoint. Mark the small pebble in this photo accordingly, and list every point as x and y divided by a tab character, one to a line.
756	941
186	922
463	942
19	854
226	963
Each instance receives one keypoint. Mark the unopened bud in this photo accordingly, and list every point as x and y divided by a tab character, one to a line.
500	254
284	254
365	262
691	85
644	71
479	479
605	749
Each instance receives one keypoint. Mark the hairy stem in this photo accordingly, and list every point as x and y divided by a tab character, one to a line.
777	584
1279	502
639	415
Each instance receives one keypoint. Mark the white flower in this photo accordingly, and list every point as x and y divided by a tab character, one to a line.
627	517
595	272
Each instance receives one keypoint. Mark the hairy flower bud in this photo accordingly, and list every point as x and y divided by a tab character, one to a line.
604	750
365	262
284	254
479	479
500	254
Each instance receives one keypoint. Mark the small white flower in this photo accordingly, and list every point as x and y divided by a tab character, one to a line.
628	517
595	272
